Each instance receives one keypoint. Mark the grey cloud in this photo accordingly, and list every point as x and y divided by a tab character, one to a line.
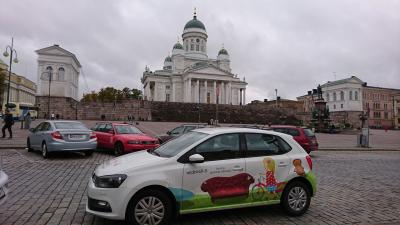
288	45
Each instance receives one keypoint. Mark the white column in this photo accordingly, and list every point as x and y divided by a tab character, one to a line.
223	93
229	93
173	92
205	91
215	92
189	93
155	98
244	96
197	94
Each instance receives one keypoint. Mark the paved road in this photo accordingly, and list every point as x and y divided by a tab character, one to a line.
354	188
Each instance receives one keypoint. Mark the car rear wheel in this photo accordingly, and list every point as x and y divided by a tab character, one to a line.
150	207
118	149
45	152
28	145
296	198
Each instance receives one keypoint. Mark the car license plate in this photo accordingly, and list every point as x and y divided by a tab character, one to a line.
76	136
2	193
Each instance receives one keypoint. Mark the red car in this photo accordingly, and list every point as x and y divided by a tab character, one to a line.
123	138
304	136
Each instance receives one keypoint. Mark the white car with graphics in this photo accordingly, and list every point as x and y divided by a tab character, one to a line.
204	170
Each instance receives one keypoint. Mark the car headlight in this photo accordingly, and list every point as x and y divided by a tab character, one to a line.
134	142
108	181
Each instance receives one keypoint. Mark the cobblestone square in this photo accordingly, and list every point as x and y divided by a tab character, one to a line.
353	188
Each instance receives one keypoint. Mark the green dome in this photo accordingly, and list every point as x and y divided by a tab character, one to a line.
223	52
168	59
195	23
178	46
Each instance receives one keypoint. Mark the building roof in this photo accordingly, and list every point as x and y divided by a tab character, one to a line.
55	46
178	46
223	51
343	81
383	88
194	23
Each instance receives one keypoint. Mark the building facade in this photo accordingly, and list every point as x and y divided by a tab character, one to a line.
189	75
381	105
348	99
64	68
22	90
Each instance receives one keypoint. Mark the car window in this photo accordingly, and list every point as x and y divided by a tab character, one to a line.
175	146
39	127
189	128
45	127
225	146
107	128
265	144
96	127
127	129
101	127
293	132
177	130
69	125
308	133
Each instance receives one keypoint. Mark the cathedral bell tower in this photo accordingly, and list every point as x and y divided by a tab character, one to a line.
195	38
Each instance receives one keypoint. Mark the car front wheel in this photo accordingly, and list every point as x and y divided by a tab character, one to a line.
118	149
28	145
150	207
296	198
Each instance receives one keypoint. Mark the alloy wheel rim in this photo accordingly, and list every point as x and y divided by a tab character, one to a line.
149	210
297	198
44	150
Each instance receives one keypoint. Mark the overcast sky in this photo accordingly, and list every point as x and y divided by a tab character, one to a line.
289	45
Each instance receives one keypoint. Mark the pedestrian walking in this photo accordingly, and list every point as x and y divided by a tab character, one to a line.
21	119
28	120
53	116
8	122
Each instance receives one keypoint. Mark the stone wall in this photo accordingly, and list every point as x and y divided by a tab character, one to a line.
67	108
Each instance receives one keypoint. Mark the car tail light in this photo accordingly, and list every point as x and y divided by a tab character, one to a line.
93	136
56	135
309	161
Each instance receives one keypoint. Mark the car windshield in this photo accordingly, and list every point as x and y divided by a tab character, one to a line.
309	133
174	146
69	125
125	129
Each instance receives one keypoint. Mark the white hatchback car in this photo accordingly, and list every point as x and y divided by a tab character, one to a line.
204	170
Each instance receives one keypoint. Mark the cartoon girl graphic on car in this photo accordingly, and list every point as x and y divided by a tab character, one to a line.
271	183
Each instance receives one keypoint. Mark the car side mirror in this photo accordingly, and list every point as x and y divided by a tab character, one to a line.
196	158
32	130
169	132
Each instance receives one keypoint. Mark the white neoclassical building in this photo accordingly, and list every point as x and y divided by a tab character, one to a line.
189	75
64	68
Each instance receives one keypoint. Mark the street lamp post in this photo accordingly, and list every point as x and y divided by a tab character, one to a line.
6	54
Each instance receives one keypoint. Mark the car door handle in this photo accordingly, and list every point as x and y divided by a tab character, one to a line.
282	164
237	168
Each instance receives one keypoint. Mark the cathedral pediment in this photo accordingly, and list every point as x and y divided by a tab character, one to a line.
57	50
210	69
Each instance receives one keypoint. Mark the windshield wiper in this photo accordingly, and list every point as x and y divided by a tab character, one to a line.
153	152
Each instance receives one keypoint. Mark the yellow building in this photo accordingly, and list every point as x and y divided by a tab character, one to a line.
22	90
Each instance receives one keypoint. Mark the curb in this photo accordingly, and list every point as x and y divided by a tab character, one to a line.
359	149
12	147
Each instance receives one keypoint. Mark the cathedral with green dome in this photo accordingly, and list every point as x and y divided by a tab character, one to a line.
189	75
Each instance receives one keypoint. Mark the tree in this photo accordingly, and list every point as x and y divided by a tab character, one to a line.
136	93
110	94
3	73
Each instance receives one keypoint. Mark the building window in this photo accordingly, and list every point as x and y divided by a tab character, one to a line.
386	115
334	97
351	95
61	73
202	48
327	97
341	95
167	87
341	106
197	48
191	47
167	98
385	106
356	95
334	106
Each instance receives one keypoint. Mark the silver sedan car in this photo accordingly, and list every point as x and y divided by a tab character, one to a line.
52	136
